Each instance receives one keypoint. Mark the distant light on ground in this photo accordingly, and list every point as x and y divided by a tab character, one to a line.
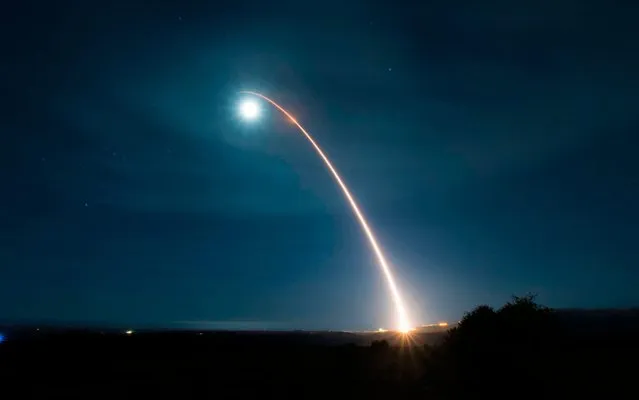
1	338
443	324
249	109
381	330
129	332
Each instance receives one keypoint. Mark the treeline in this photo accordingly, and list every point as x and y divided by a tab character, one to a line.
520	350
524	349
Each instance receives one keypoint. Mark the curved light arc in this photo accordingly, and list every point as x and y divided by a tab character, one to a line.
402	316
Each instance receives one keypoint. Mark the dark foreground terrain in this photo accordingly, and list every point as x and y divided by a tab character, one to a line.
521	350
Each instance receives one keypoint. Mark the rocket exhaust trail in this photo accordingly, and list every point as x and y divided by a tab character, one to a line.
403	322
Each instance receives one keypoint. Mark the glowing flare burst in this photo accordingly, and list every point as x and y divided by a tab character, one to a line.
249	109
404	325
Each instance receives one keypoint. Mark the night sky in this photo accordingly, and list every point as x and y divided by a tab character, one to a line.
493	147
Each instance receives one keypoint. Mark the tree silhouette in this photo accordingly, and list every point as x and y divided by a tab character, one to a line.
492	351
380	345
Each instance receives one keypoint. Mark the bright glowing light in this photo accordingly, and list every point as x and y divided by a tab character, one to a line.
405	331
1	338
249	109
129	332
443	324
403	323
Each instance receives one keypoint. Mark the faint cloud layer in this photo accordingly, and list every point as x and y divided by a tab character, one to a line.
231	325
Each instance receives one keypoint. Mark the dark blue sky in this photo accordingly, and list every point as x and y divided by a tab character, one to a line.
493	148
